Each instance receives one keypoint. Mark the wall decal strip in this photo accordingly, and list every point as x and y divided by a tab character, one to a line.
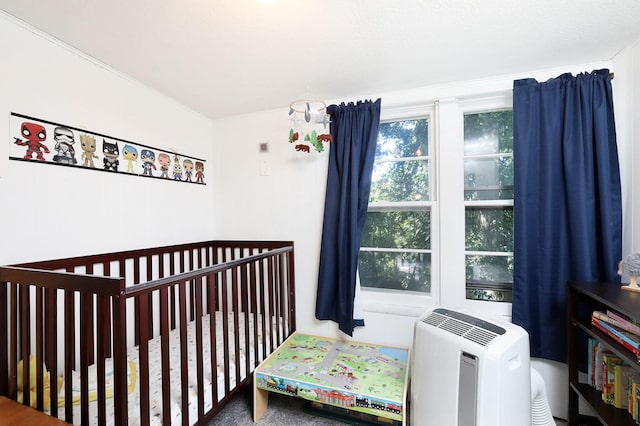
41	141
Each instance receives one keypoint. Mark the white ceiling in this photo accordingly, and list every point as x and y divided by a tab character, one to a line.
224	57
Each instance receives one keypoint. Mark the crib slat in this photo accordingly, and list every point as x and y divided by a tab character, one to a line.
120	355
39	349
254	311
4	337
136	302
247	317
102	309
106	267
51	322
184	359
212	292
164	357
277	289
292	290
69	352
25	338
199	348
150	304
13	339
86	351
270	286
263	306
225	330
172	272
236	331
90	331
143	357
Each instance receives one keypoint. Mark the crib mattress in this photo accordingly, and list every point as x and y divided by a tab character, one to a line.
155	378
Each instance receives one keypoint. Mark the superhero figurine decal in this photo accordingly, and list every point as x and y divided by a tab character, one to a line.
110	152
187	165
164	161
199	172
30	140
34	134
64	145
88	145
130	154
148	158
177	168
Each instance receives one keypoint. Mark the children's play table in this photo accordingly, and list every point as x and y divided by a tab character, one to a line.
359	377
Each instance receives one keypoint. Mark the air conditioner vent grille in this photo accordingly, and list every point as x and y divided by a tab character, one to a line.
480	336
456	327
468	331
434	319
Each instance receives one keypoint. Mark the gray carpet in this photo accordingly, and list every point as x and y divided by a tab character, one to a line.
283	411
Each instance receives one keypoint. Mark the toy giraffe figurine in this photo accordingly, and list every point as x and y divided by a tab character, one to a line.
631	265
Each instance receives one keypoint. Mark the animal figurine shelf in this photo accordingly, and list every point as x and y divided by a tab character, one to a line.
631	265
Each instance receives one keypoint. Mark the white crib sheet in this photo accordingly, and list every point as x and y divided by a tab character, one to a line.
155	379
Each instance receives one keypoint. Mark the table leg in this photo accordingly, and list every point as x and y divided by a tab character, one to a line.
260	402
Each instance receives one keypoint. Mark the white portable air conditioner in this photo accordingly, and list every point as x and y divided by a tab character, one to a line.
468	371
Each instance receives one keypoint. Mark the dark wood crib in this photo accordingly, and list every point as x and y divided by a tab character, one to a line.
227	304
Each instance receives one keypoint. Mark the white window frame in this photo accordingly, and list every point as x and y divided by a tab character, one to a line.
447	205
400	302
452	203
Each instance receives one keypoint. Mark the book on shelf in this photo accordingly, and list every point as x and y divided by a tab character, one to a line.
600	352
631	343
617	320
621	385
636	406
632	382
609	362
609	365
627	324
591	361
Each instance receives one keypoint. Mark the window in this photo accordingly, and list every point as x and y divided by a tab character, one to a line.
488	195
396	247
439	227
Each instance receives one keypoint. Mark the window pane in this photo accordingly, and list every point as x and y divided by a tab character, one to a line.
397	229
400	181
488	133
490	269
397	237
395	270
400	139
488	175
489	229
488	178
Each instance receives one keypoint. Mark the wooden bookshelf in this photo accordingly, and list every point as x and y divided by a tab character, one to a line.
582	299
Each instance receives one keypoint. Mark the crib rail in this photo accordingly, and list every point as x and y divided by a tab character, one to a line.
72	313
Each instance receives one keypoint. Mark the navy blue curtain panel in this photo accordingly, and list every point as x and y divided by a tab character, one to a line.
567	199
354	131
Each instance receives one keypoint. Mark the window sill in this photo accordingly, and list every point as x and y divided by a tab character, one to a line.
395	303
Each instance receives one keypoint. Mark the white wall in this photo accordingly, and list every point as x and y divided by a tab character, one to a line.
626	91
50	212
288	203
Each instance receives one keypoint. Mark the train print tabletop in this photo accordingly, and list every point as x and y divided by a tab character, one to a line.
363	377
